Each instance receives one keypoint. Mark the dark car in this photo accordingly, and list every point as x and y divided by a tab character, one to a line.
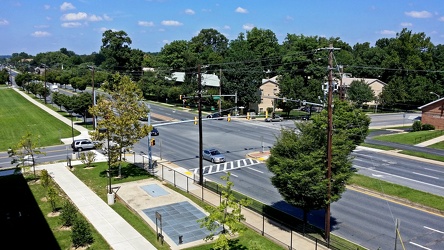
215	116
154	132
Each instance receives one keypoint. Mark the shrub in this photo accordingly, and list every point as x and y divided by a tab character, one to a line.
44	178
68	214
81	233
88	158
417	126
428	127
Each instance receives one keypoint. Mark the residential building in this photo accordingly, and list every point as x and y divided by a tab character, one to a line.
375	84
268	91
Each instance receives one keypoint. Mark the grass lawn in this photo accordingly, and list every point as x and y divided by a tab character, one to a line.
19	116
416	196
410	138
96	179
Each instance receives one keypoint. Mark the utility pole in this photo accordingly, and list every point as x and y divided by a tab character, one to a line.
199	96
220	91
329	140
46	89
341	88
150	157
94	97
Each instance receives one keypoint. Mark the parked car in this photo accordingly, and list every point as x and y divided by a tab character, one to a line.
82	144
154	132
276	118
215	116
213	155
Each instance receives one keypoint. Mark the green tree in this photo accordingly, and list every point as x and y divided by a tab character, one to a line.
360	92
121	111
116	50
228	213
81	233
88	158
298	159
26	150
4	76
51	196
68	214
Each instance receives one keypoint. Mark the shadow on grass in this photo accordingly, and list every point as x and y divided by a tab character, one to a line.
126	171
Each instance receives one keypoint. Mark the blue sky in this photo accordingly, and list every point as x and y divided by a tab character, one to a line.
35	26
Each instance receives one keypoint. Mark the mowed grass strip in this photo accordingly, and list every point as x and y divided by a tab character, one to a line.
19	116
410	138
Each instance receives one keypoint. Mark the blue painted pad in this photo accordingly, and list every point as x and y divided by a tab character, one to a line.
179	219
154	190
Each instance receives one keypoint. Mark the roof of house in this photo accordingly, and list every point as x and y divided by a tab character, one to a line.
273	80
348	80
210	80
430	103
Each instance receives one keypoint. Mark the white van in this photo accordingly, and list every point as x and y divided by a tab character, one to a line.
54	88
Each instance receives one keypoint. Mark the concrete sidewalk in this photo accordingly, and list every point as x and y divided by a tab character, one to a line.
117	232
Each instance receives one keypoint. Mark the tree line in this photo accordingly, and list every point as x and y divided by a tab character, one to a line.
410	64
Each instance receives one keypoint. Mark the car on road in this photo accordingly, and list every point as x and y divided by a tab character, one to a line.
213	155
82	144
274	119
154	132
215	116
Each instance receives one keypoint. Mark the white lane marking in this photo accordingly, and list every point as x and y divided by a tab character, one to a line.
255	170
434	170
433	177
233	174
423	247
434	230
425	183
378	175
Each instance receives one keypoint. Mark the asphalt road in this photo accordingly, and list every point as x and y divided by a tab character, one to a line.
363	219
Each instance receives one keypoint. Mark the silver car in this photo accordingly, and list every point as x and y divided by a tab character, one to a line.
213	155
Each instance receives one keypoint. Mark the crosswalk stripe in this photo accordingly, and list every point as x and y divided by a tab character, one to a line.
227	166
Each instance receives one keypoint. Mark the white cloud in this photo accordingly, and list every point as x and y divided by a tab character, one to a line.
190	12
406	24
107	18
289	18
4	22
94	18
419	14
40	34
146	24
74	16
171	23
71	25
226	27
103	29
165	41
47	6
66	6
441	19
387	32
241	10
248	26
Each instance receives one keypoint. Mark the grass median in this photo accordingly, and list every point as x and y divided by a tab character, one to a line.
19	116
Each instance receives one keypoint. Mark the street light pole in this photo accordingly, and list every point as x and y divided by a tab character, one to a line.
94	97
150	157
72	125
199	95
44	65
110	192
433	93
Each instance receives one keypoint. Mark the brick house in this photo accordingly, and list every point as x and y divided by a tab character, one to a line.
433	113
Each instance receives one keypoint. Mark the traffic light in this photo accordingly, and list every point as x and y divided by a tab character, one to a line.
153	142
229	118
266	113
195	120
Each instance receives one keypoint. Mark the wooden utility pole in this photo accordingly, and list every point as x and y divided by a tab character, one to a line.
329	141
